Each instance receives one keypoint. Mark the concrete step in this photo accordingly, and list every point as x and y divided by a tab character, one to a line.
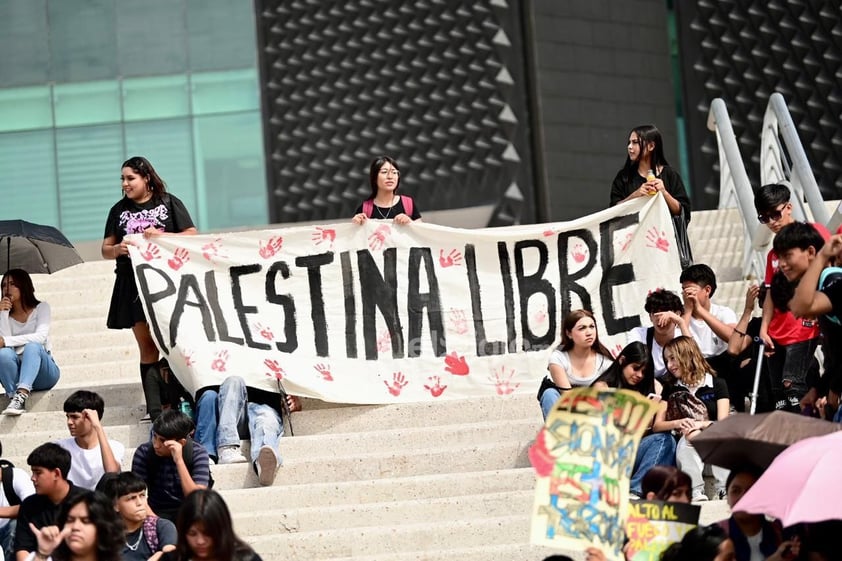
478	553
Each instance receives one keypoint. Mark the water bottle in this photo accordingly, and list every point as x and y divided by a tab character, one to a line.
184	407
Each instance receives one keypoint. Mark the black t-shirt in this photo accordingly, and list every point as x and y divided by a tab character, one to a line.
623	186
41	511
388	213
165	213
832	331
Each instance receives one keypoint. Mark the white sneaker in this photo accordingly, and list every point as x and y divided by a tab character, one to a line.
17	406
700	498
231	455
266	466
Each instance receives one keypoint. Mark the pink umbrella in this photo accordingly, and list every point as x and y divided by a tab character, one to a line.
802	483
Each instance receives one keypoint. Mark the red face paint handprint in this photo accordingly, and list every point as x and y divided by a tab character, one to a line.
456	365
324	235
399	382
384	342
378	239
220	362
503	381
265	332
212	249
451	259
458	321
436	389
276	371
270	247
324	372
579	253
179	258
150	252
657	240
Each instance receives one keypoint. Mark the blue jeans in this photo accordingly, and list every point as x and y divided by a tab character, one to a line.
34	369
219	414
656	449
548	399
7	539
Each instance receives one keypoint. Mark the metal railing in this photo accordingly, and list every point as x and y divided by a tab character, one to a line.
782	160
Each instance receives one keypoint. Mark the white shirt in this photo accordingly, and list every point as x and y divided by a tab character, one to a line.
22	484
709	343
562	359
86	467
639	334
36	328
754	547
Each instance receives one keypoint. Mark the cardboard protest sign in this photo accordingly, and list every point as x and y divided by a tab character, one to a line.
652	526
382	313
584	456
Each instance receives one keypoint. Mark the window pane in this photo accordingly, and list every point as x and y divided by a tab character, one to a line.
155	98
168	146
87	103
23	28
225	92
83	40
222	34
229	161
153	37
27	166
89	161
25	108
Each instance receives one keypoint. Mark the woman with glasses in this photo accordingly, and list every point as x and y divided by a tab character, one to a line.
385	203
647	172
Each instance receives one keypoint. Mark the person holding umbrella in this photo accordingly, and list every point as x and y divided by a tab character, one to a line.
25	360
146	208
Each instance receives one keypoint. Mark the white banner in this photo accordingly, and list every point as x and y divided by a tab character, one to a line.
383	313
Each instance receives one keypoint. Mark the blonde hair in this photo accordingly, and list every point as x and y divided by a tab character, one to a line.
690	360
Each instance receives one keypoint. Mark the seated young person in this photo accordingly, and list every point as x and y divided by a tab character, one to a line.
161	463
221	413
665	311
91	453
50	464
146	534
21	488
628	371
744	347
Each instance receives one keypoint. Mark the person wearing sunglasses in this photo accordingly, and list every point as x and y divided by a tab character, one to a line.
791	341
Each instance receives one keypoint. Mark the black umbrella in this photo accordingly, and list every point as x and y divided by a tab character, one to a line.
35	248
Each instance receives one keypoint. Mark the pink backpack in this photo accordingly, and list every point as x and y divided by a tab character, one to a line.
406	200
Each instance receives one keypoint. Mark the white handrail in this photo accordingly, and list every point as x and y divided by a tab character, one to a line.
735	188
775	168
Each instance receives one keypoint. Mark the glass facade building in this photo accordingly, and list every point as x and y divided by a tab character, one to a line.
84	84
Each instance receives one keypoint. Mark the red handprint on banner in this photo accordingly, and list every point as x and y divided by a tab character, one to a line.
212	249
549	233
436	389
187	356
540	317
458	321
579	253
178	259
456	365
399	382
268	248
150	252
384	342
324	372
276	371
378	239
657	240
265	332
502	380
324	235
219	363
451	259
625	243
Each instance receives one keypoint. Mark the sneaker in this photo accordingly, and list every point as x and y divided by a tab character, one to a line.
17	406
266	466
231	455
699	498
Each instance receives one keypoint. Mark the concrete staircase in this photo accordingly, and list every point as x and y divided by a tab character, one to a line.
434	481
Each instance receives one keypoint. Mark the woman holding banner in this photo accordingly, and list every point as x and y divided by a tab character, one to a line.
629	372
577	363
146	208
384	176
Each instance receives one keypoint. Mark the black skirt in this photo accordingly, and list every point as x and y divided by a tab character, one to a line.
126	309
